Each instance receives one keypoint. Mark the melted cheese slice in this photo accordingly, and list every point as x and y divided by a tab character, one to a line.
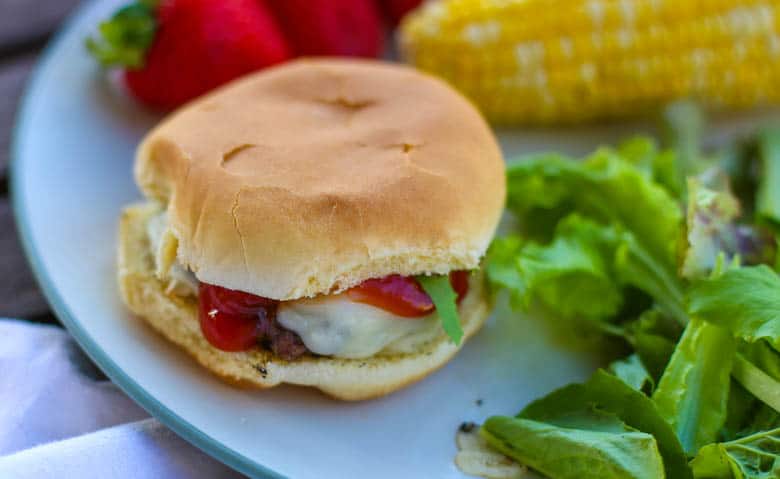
180	281
336	326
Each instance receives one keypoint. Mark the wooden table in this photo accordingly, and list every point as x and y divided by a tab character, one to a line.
25	27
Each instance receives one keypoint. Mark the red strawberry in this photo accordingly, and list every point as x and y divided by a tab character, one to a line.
177	50
330	27
396	9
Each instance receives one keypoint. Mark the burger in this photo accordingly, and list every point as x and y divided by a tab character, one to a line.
319	223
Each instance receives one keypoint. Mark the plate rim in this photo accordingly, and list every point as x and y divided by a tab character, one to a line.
137	393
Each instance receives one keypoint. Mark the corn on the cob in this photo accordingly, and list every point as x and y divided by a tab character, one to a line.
565	61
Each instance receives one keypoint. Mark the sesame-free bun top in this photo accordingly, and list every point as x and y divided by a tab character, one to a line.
311	177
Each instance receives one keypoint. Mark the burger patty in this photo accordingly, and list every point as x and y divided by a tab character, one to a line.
281	341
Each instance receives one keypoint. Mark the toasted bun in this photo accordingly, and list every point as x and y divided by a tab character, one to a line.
314	176
349	379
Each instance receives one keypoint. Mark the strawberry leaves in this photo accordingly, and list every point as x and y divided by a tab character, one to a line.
124	39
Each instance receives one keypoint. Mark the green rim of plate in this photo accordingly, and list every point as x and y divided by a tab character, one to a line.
175	422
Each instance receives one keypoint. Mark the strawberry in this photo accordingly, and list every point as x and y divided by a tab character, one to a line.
396	9
176	50
330	27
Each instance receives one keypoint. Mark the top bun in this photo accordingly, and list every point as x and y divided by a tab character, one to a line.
311	177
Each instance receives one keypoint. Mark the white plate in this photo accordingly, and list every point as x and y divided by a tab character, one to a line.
73	153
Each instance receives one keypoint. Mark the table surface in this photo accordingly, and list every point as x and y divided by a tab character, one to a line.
25	27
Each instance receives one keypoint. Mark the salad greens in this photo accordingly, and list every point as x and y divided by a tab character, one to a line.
693	392
744	301
603	187
767	193
671	257
683	125
755	380
653	335
596	246
631	371
571	270
604	392
609	449
753	457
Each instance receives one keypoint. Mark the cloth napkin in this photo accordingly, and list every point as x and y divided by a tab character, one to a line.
60	417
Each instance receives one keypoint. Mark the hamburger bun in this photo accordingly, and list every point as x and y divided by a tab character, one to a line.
311	177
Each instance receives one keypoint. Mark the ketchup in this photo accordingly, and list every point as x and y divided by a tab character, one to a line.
229	318
460	283
403	295
235	321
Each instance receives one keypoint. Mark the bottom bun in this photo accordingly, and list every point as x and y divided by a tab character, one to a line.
176	318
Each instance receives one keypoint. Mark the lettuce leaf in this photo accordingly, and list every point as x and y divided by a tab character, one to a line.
654	336
607	393
584	260
545	188
566	274
640	151
637	267
747	413
710	228
502	271
598	449
753	166
583	238
693	393
440	290
753	457
745	301
768	193
656	165
740	411
764	419
713	233
631	371
758	382
762	355
683	125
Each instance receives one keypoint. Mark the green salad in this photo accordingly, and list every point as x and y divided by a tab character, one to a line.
668	257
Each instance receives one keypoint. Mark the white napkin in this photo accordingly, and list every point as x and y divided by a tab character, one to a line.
59	418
